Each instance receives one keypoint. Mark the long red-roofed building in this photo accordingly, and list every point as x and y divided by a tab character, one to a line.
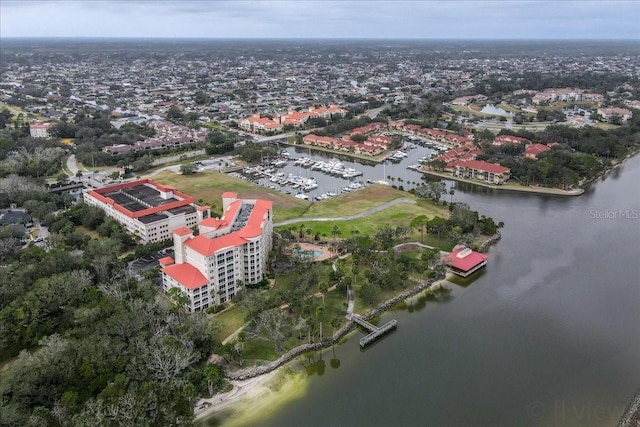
227	251
148	210
481	170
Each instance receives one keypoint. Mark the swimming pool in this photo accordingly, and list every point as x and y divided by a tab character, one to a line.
307	253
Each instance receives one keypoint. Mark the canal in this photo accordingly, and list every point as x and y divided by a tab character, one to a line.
547	335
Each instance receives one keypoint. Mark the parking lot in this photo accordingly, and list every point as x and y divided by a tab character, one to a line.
148	263
215	163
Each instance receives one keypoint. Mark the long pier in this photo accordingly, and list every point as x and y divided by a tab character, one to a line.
375	332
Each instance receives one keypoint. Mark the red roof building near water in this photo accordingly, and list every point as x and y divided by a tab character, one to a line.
463	261
479	169
227	252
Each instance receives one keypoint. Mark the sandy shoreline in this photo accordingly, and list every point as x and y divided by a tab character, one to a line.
240	390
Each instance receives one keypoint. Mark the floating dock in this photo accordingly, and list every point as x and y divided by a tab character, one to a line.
375	331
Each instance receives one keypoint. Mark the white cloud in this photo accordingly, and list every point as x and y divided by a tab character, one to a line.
329	19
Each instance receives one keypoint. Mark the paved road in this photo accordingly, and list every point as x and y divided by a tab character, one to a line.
72	165
374	112
172	168
347	218
177	157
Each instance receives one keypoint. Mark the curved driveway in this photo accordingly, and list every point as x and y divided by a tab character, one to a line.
350	217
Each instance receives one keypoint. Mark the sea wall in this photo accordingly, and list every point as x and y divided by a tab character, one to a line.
337	336
490	241
631	418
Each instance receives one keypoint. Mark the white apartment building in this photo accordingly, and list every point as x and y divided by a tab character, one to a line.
148	210
234	249
40	130
608	113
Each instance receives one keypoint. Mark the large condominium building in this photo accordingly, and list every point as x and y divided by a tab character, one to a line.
40	130
481	170
148	210
227	252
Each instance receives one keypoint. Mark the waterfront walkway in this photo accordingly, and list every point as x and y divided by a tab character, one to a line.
375	332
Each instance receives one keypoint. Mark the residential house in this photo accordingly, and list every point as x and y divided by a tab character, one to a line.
533	150
608	113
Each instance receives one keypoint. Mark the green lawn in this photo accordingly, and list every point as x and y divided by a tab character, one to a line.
394	216
507	107
229	321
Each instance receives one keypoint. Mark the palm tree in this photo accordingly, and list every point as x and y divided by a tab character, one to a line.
320	312
335	232
419	222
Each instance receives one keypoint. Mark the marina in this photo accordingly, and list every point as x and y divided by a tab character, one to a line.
316	175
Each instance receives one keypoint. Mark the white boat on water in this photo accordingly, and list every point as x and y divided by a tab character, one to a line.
310	186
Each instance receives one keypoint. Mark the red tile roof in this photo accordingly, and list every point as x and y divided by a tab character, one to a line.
534	149
467	260
165	261
207	246
253	228
510	139
481	165
40	125
182	231
213	222
187	275
181	198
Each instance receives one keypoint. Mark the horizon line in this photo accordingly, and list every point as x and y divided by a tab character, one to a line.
312	38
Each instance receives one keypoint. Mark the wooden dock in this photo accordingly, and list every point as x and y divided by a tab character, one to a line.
375	332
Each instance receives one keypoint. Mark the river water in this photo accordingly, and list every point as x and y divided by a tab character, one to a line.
547	335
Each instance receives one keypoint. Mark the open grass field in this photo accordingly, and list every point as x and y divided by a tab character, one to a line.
355	202
393	216
507	107
606	126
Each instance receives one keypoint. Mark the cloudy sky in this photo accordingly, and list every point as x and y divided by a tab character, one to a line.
469	19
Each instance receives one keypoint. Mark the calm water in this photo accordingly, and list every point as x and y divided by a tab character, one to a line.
492	109
389	171
547	335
